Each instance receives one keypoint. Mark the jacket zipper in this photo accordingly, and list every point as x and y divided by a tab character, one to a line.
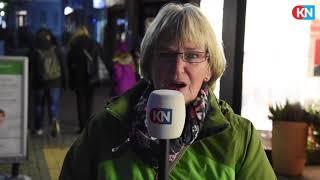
174	163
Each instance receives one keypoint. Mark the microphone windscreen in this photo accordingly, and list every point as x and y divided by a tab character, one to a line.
166	114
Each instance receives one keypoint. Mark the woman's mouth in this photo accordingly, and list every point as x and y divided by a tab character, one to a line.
176	85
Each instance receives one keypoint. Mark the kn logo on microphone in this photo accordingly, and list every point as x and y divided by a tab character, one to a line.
161	116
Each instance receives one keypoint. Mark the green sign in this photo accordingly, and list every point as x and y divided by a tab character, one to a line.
11	67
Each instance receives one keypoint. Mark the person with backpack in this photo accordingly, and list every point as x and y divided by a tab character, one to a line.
47	75
83	71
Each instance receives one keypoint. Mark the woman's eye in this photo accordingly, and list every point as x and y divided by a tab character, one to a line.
191	56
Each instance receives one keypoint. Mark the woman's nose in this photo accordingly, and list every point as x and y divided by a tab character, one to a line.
179	64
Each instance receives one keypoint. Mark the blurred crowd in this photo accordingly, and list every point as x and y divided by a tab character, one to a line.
78	64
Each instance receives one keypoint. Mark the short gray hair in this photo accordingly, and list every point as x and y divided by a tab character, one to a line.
183	23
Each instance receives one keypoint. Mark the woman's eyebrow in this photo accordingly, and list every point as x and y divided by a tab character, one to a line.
184	49
193	48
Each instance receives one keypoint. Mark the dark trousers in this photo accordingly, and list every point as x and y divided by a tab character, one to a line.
84	105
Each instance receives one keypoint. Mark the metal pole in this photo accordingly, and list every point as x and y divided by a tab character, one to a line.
15	169
164	161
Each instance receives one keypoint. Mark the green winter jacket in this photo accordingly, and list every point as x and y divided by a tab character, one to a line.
228	148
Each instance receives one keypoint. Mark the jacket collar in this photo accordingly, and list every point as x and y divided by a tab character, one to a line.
121	106
216	122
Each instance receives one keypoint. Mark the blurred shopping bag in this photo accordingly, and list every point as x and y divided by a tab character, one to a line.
102	75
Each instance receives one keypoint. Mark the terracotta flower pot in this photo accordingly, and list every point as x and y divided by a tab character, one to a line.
289	140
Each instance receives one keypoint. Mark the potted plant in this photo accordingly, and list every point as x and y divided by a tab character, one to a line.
289	138
313	142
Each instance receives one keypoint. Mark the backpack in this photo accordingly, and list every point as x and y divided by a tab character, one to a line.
49	66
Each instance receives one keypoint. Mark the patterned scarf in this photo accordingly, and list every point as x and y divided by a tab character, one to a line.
147	147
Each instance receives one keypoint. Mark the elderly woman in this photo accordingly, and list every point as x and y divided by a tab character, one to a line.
179	52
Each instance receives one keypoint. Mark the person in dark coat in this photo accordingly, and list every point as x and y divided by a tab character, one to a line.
47	76
83	69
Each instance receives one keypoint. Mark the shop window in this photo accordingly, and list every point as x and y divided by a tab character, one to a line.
317	59
21	18
213	10
276	60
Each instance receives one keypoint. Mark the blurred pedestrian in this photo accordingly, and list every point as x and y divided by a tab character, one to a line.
47	78
83	70
124	75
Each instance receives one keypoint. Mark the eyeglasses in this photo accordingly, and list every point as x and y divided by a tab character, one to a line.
188	56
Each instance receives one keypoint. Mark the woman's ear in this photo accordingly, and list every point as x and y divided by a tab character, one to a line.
208	76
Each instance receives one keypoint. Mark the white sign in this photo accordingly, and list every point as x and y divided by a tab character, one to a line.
13	108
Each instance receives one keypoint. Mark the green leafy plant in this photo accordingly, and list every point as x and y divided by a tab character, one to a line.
314	115
288	112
